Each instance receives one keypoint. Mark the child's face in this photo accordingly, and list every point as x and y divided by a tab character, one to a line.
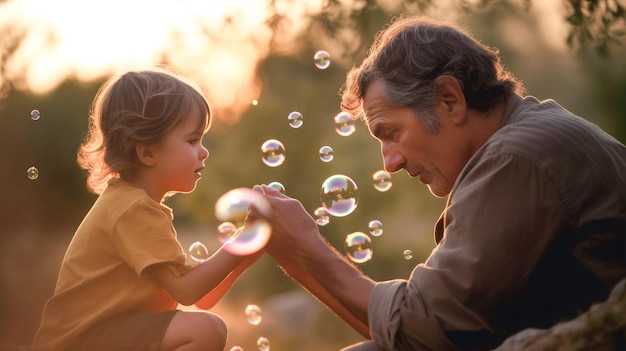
179	157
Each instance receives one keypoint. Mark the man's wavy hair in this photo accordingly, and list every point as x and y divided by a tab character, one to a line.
412	52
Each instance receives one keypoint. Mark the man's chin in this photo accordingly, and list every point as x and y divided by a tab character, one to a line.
438	191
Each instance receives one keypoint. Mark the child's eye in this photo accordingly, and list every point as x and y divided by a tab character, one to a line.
194	141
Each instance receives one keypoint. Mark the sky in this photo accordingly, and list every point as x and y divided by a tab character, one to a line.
88	40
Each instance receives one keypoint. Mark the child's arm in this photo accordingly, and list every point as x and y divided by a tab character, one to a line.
212	277
215	295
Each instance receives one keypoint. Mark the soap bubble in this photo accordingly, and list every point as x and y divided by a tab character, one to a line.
375	227
382	180
255	102
408	254
326	153
358	247
198	252
278	186
321	216
35	115
273	153
339	195
344	124
226	231
322	59
32	173
295	119
253	313
233	207
263	343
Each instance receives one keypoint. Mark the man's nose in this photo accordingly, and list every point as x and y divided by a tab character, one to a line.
392	158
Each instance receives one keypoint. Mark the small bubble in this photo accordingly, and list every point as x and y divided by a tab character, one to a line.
255	102
344	124
278	186
273	153
322	59
263	343
253	313
35	115
233	207
375	227
358	247
321	216
226	231
198	252
236	348
408	254
339	195
32	173
382	180
326	153
295	119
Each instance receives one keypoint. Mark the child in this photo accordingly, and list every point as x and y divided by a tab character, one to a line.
124	272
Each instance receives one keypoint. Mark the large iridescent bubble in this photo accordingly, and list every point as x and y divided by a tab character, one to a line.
339	195
233	207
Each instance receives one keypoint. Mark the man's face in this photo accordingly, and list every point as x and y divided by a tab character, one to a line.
436	159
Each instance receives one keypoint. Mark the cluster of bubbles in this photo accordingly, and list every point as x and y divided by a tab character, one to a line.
339	197
254	317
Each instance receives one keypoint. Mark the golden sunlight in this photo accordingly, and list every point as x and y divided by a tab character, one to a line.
216	43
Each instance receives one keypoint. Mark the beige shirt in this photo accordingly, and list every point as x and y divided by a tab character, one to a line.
534	231
101	275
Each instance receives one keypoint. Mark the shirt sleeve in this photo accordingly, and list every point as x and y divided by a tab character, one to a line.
144	235
501	216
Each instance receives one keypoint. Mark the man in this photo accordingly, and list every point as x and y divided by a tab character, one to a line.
534	230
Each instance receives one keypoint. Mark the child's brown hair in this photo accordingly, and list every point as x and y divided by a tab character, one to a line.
129	109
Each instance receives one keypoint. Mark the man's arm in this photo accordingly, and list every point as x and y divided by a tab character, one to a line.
306	257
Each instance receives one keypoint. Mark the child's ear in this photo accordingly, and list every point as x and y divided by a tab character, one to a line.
144	154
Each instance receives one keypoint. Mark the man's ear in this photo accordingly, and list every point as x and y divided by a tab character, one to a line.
451	98
144	154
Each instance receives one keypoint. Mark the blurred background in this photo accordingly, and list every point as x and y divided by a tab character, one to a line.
254	61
